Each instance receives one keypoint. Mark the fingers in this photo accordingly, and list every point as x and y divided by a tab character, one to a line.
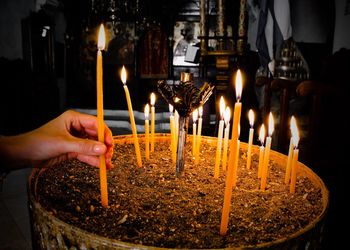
85	146
89	149
94	161
87	124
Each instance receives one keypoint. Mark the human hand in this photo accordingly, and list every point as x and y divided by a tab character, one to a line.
70	135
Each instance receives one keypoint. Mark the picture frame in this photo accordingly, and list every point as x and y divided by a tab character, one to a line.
185	43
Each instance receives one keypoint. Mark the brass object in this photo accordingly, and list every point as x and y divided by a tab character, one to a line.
186	77
290	64
184	97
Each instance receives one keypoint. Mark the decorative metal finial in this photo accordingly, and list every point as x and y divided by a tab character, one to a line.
185	97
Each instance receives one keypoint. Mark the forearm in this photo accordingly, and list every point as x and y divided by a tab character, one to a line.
11	155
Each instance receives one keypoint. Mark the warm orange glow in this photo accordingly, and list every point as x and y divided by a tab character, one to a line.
239	85
295	132
171	108
177	99
123	75
227	116
195	115
200	111
153	99
146	111
262	134
222	107
101	38
271	124
251	117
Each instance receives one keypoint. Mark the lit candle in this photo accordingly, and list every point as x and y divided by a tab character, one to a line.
99	82
262	149
194	131
147	131
232	155
172	133
132	118
199	134
290	155
219	140
250	140
235	166
227	118
265	165
295	136
153	118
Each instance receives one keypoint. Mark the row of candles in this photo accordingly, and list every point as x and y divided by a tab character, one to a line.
229	165
264	152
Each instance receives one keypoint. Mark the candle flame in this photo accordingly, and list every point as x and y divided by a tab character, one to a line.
262	134
222	107
146	111
171	108
176	99
239	83
271	124
101	38
195	115
200	111
227	116
153	99
123	75
295	132
251	117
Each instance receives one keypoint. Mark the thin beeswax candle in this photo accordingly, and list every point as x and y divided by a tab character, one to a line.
101	126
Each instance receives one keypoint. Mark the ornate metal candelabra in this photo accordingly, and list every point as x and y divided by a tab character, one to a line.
185	97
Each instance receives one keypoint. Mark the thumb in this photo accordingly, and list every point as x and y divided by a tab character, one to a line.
87	147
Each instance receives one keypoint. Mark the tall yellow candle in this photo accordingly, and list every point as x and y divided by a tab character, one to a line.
295	137
227	117
262	149
250	140
199	134
99	83
132	118
219	140
232	156
194	131
235	166
290	155
153	118
265	167
172	133
147	131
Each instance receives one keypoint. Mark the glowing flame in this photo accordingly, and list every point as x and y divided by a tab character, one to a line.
295	132
227	116
271	124
146	111
222	107
200	111
123	75
262	134
239	85
195	115
251	117
101	38
153	99
171	108
176	99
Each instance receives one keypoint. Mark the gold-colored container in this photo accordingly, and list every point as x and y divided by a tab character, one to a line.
49	232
